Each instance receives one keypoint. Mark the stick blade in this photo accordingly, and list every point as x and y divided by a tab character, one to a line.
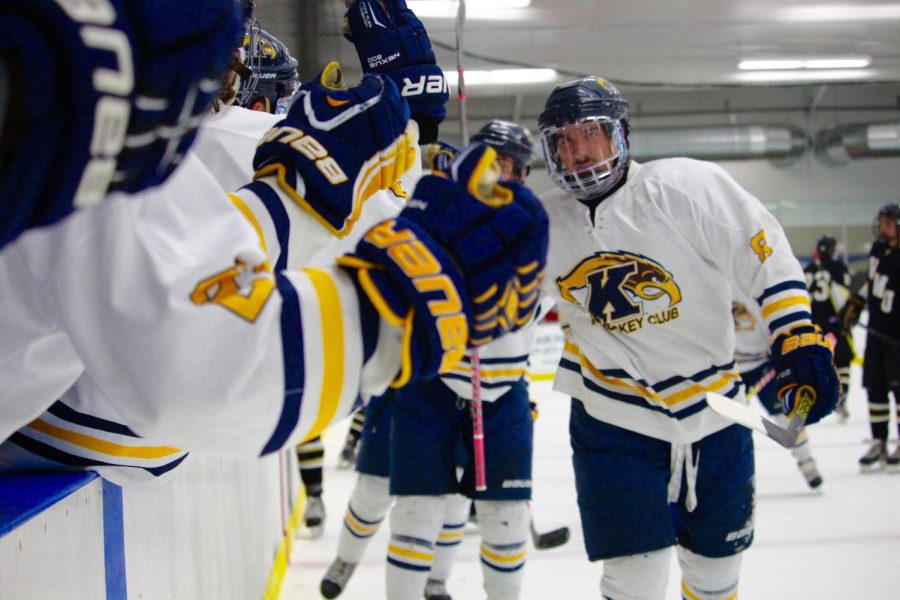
746	416
551	539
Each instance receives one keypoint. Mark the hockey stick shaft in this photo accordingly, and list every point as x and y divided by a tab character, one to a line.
476	408
477	425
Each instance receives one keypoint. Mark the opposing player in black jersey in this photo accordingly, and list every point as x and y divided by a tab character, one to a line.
881	373
828	280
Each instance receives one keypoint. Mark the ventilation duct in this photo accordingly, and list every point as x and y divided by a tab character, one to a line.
780	143
839	145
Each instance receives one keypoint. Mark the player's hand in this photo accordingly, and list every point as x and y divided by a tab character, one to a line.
390	39
460	266
850	312
345	145
804	372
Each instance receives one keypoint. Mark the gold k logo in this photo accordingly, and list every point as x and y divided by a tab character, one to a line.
617	283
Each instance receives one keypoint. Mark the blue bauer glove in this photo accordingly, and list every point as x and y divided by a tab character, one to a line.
337	146
459	267
805	374
390	39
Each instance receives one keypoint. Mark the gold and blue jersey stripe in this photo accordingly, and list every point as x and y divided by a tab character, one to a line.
677	397
785	305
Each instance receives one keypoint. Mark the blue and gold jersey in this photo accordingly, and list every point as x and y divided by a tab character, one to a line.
646	285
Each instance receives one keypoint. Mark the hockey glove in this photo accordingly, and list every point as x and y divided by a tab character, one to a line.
390	39
850	312
338	146
449	268
804	372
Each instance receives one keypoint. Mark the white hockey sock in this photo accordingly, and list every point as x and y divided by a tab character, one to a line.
368	505
415	524
636	577
504	531
456	513
709	578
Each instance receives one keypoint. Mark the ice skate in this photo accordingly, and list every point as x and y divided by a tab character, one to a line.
892	461
347	459
810	473
436	590
314	516
875	458
336	578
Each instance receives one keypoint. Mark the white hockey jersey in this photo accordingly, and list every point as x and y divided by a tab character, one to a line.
136	291
646	286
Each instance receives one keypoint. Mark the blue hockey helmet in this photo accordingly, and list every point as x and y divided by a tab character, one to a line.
108	96
510	139
584	134
273	78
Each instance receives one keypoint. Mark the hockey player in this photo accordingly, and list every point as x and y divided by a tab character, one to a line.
881	375
751	357
642	263
430	418
828	280
271	79
371	497
201	286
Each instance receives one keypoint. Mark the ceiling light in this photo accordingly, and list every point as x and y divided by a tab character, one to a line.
777	64
859	62
805	75
769	64
503	76
839	12
475	9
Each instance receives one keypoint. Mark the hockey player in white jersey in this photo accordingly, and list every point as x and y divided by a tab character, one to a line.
642	262
751	357
190	322
430	513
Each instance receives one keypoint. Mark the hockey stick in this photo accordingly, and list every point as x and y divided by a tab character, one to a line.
475	406
746	416
548	539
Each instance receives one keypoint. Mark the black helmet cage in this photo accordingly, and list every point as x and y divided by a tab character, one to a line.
589	100
510	139
272	70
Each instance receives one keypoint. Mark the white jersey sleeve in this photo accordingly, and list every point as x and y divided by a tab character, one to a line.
727	224
189	336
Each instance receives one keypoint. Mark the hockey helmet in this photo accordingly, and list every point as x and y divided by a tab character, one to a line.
584	134
512	140
826	246
273	78
891	212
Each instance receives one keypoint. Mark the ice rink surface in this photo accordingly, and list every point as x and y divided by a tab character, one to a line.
838	544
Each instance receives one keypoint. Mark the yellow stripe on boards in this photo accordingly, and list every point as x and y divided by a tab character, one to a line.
102	446
414	554
332	328
782	304
283	554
